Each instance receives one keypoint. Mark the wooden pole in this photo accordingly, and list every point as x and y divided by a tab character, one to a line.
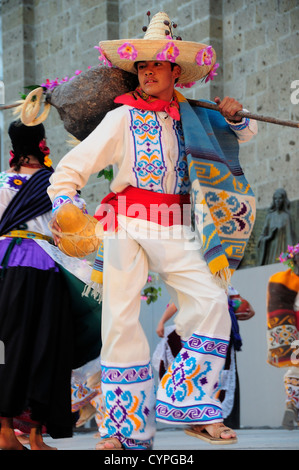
257	117
8	106
204	104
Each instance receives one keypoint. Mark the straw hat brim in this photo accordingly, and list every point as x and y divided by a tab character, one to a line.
148	49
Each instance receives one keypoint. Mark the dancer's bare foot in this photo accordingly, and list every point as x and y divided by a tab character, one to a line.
36	440
8	439
109	443
23	439
219	429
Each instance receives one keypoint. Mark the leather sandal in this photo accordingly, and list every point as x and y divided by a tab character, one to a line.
201	433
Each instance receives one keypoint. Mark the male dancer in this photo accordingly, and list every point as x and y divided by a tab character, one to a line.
148	140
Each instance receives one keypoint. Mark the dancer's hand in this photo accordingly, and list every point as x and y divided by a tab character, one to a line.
55	226
160	329
247	314
228	107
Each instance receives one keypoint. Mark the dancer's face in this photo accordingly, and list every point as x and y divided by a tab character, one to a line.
157	78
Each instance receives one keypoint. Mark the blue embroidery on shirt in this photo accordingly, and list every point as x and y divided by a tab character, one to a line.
149	163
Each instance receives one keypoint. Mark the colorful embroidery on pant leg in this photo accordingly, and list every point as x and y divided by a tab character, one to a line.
187	391
292	390
128	408
81	395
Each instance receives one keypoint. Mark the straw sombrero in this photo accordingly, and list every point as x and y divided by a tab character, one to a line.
196	60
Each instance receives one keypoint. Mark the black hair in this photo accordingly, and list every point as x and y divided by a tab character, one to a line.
172	65
25	141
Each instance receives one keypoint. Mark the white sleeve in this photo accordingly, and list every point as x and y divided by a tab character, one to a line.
232	291
245	129
103	147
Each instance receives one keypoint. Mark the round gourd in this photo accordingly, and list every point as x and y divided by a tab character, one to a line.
78	236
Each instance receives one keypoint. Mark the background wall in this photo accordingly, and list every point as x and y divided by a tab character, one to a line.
255	41
257	48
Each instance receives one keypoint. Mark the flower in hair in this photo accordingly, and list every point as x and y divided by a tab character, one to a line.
170	52
127	51
47	161
212	73
204	56
12	156
43	147
102	57
46	151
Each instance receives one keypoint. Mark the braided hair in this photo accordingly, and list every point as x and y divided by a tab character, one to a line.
26	140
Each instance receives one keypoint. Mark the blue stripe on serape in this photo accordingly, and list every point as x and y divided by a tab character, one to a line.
98	265
212	152
99	259
223	141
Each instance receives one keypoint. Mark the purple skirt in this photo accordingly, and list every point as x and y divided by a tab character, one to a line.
27	254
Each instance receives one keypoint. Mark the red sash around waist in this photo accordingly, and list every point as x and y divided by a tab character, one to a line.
160	208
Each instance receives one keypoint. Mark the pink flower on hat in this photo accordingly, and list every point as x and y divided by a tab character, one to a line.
204	56
185	85
127	51
212	73
170	52
102	57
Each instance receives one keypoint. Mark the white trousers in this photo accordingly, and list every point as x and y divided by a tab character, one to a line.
202	321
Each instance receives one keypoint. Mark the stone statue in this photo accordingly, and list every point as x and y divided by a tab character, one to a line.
277	232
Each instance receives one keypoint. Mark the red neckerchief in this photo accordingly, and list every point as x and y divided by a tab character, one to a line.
140	100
